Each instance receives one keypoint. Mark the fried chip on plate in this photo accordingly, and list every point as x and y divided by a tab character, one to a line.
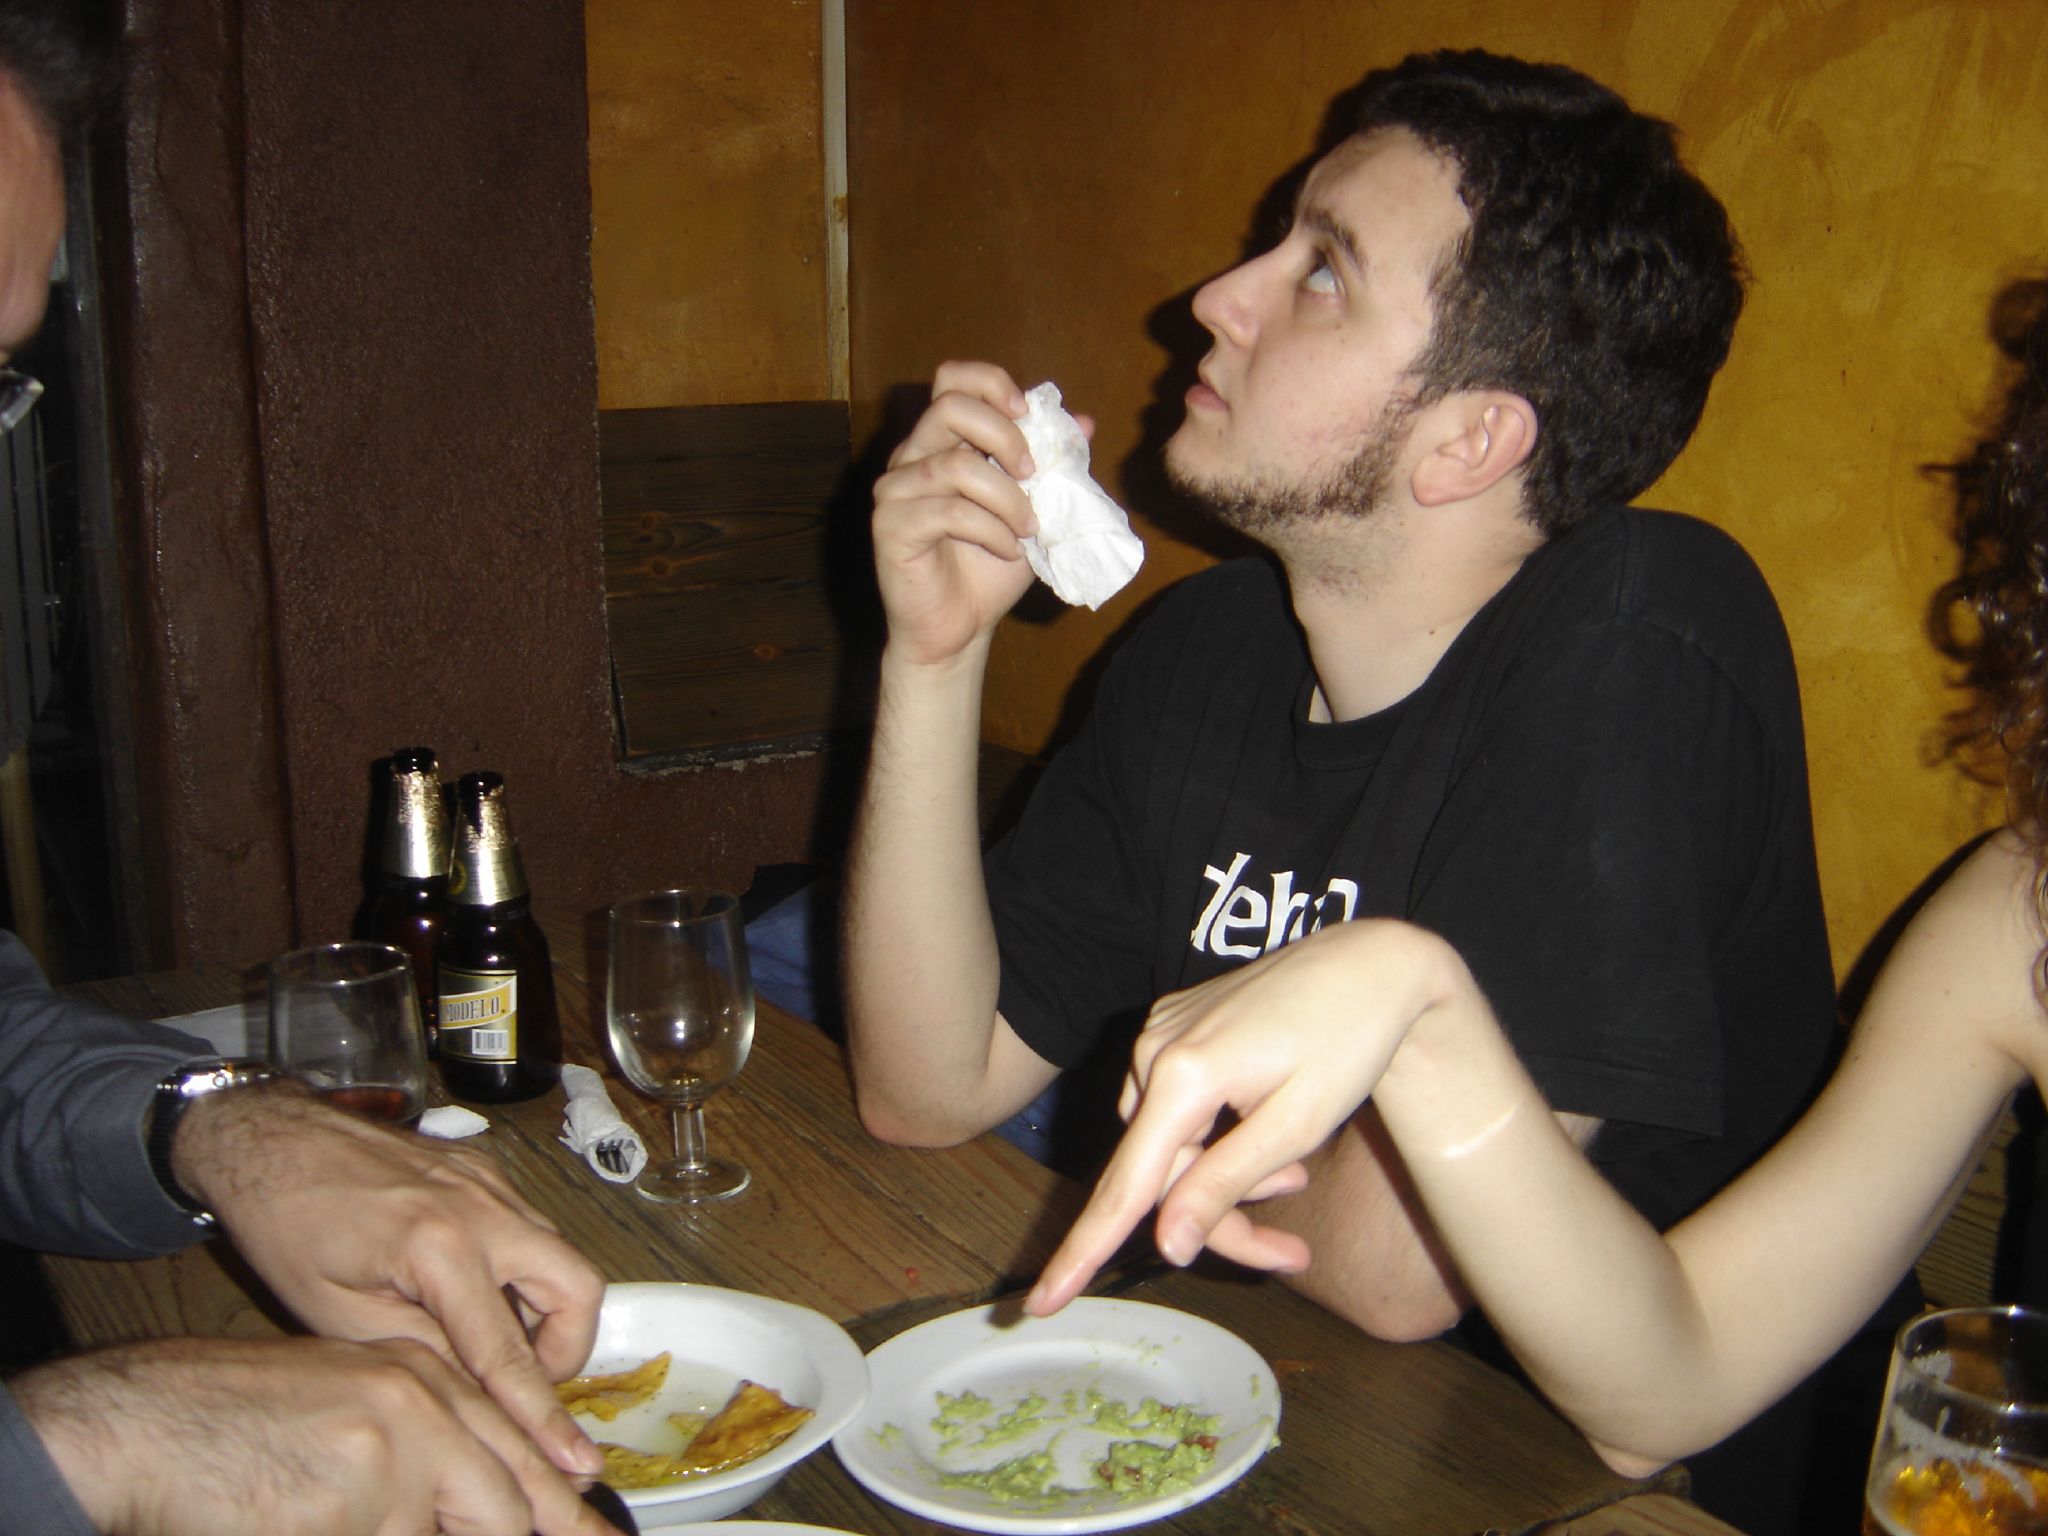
625	1467
606	1397
753	1421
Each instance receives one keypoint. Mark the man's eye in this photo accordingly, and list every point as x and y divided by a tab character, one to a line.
1321	280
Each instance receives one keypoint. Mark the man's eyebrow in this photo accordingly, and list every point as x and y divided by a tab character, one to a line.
1324	223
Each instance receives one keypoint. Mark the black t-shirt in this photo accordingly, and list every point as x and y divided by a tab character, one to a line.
1598	796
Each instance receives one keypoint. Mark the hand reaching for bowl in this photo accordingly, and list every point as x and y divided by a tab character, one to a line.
367	1233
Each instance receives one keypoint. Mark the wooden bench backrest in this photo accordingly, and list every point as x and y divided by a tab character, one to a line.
735	588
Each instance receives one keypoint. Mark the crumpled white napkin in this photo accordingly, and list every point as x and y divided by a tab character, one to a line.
1084	548
591	1119
451	1122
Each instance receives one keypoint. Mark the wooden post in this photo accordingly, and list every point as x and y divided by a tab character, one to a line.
24	868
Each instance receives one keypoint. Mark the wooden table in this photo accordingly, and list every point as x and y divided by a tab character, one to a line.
1410	1440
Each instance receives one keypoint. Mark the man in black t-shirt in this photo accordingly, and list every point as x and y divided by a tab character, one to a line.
1598	796
1480	693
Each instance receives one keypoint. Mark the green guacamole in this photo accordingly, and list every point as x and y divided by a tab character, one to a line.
1027	1478
970	1420
1140	1467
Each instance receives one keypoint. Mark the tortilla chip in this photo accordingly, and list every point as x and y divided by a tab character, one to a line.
625	1467
754	1420
606	1397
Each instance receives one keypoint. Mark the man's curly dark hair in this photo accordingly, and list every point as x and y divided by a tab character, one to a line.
1599	279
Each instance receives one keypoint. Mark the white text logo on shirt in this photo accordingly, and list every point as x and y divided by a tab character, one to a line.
1242	923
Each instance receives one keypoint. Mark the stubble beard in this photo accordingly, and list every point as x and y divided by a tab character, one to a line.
1270	511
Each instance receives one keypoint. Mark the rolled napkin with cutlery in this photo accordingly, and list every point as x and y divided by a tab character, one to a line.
1084	548
593	1129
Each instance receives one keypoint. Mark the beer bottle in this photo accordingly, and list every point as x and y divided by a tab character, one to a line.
410	906
500	1036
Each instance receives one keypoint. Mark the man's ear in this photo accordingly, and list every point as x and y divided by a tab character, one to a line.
1485	436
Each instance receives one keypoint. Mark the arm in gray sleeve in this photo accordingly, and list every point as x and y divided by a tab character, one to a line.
75	1088
38	1500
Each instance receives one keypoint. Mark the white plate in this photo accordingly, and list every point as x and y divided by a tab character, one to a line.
237	1030
717	1337
754	1528
1127	1350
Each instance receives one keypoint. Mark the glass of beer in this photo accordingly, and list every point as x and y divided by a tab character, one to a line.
345	1020
1962	1448
679	1005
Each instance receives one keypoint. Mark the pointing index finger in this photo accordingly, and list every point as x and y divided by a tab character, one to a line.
1135	1179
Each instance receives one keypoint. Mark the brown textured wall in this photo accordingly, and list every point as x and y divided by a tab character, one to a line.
408	549
209	744
1049	191
707	186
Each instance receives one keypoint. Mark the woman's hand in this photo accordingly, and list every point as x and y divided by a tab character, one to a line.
1292	1043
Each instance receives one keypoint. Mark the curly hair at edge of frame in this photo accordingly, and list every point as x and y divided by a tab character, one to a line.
1992	617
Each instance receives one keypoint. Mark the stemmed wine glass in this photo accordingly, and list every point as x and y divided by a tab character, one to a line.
679	1004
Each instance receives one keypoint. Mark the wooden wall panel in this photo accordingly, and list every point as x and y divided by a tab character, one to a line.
707	201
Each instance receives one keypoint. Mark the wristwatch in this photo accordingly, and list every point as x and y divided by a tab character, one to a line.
174	1095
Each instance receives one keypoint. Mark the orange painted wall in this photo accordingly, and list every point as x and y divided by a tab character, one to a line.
707	201
1046	188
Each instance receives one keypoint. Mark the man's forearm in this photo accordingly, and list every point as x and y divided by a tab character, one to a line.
235	1436
921	965
1378	1262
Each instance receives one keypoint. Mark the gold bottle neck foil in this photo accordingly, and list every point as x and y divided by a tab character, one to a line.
486	871
416	831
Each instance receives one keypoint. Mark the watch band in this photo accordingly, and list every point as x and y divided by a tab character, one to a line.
174	1095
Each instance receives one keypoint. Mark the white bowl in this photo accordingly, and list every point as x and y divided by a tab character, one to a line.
716	1338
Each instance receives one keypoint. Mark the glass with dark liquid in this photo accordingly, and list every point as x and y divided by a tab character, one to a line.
345	1020
1962	1448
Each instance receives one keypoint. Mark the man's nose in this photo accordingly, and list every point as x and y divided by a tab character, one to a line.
1225	305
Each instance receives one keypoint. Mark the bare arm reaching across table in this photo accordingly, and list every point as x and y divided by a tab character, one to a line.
1654	1345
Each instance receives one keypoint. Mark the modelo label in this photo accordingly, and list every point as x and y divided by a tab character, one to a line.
480	1015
